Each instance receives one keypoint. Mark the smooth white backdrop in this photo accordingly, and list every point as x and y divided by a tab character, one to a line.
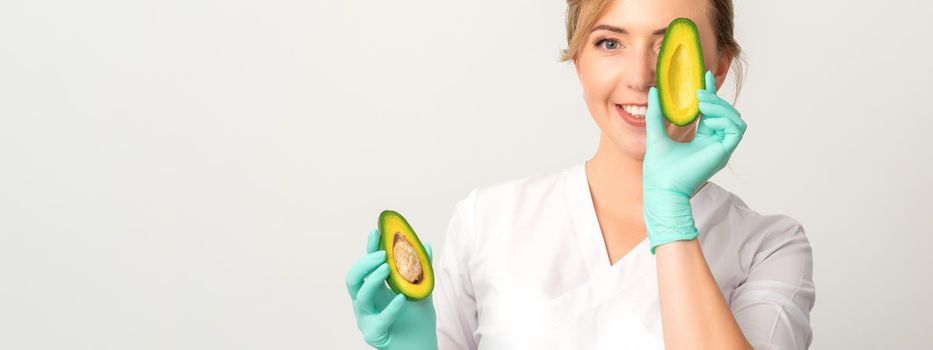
201	174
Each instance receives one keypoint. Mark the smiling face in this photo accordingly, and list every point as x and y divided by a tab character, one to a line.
617	64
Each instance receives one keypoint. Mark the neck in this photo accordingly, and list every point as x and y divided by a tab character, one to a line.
615	178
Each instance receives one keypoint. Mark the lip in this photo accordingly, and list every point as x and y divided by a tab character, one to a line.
628	118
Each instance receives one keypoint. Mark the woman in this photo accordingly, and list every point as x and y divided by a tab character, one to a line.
633	248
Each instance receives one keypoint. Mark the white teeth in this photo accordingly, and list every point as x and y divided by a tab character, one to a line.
636	111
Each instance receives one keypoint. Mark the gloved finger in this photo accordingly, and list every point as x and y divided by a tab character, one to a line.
654	120
710	82
708	97
373	243
715	110
361	269
391	313
705	129
731	135
427	246
372	283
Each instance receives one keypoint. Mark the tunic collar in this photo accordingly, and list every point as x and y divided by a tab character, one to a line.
589	235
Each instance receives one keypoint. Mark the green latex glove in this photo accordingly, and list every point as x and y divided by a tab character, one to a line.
402	324
673	171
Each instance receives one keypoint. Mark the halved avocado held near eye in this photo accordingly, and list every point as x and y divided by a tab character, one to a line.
680	72
410	271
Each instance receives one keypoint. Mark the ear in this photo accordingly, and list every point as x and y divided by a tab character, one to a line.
576	66
722	68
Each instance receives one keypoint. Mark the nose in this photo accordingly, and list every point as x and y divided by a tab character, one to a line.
641	75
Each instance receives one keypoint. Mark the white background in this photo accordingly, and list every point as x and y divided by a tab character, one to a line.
201	174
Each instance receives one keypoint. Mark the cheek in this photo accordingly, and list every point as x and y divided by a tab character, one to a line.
710	59
599	81
710	55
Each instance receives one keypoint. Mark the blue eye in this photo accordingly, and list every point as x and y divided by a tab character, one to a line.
611	43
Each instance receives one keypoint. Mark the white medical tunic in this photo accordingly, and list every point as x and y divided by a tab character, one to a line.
524	266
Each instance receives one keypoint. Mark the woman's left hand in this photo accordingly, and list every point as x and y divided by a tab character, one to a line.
673	171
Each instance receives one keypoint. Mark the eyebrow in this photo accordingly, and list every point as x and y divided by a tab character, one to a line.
623	31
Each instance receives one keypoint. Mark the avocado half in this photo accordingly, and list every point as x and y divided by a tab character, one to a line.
410	271
680	72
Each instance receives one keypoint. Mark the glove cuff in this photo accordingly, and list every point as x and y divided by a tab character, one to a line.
668	217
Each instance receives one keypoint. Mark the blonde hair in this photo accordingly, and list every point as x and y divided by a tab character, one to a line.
583	14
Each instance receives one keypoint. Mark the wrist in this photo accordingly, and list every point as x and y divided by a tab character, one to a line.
668	217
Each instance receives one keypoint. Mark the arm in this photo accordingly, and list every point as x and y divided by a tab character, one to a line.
693	312
453	295
771	308
773	304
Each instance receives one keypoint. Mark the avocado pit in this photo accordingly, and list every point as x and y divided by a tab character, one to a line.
406	259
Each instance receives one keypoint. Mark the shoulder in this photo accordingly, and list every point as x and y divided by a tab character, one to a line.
510	201
729	221
529	188
725	205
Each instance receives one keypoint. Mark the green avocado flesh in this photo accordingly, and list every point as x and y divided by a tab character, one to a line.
410	271
680	72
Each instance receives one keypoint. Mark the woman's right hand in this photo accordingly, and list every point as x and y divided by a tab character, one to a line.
401	324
